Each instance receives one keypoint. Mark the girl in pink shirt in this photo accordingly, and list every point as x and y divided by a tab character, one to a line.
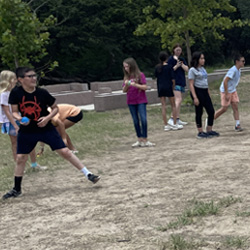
135	87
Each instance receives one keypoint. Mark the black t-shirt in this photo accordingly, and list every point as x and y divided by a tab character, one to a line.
165	75
32	105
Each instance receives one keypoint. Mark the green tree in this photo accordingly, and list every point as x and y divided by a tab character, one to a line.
91	38
23	38
238	39
185	21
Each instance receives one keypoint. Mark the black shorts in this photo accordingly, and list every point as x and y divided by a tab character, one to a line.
76	118
166	93
26	142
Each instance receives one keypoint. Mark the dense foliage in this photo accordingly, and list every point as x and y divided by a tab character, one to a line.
90	39
22	36
184	21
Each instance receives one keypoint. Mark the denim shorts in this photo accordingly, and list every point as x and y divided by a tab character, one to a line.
179	88
8	128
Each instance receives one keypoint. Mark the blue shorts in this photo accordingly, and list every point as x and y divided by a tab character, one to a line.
179	88
8	128
26	142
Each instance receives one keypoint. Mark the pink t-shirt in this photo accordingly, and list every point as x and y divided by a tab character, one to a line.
135	95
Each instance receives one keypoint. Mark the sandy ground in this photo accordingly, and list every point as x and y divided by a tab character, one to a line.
141	190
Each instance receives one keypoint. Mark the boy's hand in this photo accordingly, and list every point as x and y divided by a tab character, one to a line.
42	122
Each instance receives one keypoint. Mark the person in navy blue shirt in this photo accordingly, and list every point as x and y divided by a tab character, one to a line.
165	86
179	66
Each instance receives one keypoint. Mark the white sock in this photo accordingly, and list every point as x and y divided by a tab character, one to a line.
237	122
85	171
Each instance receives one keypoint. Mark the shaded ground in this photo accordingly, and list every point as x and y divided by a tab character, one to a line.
141	191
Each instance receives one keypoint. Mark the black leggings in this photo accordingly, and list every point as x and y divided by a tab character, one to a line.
204	102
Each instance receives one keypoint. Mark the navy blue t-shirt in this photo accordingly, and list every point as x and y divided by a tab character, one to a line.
179	74
32	105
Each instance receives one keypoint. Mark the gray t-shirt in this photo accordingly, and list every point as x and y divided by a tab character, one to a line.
234	75
199	76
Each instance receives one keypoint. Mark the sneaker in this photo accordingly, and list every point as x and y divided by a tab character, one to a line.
137	144
238	128
171	122
202	135
147	144
167	128
93	178
39	167
180	122
213	134
11	194
176	126
75	151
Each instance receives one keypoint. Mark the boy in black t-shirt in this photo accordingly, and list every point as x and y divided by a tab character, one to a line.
32	102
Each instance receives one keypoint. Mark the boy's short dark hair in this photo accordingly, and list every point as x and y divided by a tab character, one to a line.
20	71
237	57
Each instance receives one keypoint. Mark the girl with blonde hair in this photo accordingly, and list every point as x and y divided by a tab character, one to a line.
9	126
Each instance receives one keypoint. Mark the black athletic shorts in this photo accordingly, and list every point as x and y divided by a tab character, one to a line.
76	118
26	142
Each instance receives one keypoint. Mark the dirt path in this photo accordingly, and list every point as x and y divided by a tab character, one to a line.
141	190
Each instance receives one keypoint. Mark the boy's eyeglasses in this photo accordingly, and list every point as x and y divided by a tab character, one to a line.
31	76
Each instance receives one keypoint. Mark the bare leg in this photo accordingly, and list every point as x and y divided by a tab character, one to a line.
164	110
178	100
67	125
41	150
220	111
69	143
235	110
20	164
209	128
33	156
69	156
13	140
200	130
173	107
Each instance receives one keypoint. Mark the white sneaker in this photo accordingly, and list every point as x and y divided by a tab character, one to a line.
147	144
171	122
176	127
136	144
39	167
167	128
180	122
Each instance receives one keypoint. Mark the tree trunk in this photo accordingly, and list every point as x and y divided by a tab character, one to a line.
16	62
185	14
189	56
